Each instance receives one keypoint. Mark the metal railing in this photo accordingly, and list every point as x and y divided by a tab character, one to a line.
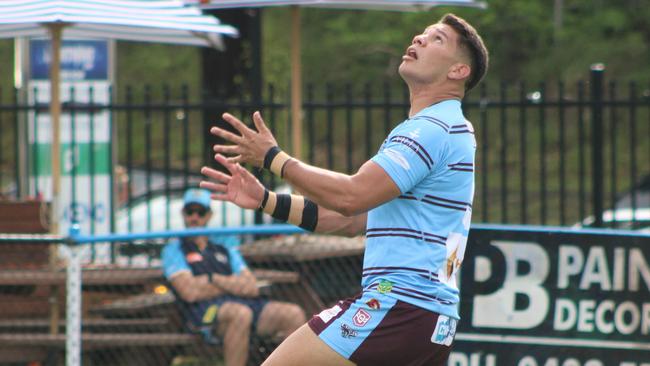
548	153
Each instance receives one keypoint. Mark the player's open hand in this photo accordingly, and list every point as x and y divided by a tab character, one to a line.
240	187
250	146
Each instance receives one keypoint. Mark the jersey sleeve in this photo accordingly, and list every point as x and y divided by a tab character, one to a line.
411	153
237	262
173	260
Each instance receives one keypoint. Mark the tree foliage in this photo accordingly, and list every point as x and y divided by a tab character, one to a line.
524	39
357	46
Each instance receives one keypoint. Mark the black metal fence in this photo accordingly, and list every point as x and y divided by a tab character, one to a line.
548	153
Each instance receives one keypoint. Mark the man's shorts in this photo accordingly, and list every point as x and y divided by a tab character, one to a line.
374	329
204	313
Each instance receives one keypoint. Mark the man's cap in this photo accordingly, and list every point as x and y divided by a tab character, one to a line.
197	196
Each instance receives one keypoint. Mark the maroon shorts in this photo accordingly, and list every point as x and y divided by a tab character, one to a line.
373	329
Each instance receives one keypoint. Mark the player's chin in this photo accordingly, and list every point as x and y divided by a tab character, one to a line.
404	71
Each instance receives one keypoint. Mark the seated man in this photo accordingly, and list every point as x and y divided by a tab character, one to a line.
217	292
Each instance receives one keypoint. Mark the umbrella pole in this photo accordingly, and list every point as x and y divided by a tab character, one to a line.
55	112
296	84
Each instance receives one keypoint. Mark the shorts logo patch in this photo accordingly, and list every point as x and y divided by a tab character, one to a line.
347	332
327	314
385	287
373	304
445	331
361	318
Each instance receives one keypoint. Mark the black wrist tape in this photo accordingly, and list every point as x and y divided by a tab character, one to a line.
270	155
275	160
264	200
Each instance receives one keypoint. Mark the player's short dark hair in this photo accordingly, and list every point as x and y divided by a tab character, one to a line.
472	42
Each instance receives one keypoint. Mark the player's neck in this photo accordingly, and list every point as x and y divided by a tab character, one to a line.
425	96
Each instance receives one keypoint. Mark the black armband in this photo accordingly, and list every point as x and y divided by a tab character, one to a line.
291	208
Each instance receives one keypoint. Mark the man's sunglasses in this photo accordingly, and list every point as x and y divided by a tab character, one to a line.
189	211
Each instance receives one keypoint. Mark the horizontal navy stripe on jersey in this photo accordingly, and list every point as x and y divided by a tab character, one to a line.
406	233
412	293
406	236
435	121
410	140
397	269
376	271
462	167
380	229
430	278
443	205
464	128
460	131
409	143
407	197
447	200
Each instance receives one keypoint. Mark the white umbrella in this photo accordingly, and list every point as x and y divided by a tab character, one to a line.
136	20
296	69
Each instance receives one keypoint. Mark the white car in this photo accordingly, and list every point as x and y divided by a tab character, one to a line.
624	216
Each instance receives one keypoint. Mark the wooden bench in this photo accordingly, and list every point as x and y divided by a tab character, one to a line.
146	321
91	325
24	217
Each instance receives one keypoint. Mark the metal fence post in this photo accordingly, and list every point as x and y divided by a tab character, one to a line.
597	150
73	301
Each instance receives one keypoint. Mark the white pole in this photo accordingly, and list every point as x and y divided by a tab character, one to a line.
73	303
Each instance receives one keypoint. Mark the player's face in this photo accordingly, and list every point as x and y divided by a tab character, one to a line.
196	216
430	56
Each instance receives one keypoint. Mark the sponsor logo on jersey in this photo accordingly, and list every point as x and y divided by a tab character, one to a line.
445	331
327	314
221	258
398	158
373	304
361	318
385	287
347	332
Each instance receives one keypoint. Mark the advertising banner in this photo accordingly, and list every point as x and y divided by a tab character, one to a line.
554	298
85	135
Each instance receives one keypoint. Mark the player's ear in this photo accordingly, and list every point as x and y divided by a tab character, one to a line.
459	71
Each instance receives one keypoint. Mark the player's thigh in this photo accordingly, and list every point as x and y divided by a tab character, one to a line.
277	316
303	347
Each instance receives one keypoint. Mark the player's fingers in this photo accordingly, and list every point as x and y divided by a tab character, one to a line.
226	163
227	149
214	187
227	135
237	124
215	174
219	197
234	160
259	123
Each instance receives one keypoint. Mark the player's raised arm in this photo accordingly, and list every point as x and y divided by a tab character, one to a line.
349	195
244	190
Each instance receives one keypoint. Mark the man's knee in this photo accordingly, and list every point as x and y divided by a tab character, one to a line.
295	313
236	314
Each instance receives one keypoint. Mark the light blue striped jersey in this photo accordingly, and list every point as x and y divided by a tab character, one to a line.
416	242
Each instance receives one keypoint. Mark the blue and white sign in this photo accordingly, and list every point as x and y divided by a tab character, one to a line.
85	136
80	59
